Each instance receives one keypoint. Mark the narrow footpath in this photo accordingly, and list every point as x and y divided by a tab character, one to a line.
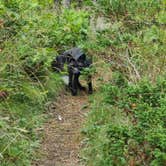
62	132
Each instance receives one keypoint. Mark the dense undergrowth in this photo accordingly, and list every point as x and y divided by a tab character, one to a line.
127	121
32	33
134	37
126	125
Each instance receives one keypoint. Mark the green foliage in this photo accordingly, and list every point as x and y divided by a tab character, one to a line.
131	7
32	33
127	121
134	41
127	124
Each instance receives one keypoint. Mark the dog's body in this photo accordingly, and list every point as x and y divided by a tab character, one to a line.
76	60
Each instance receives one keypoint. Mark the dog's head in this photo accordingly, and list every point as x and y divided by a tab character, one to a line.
84	62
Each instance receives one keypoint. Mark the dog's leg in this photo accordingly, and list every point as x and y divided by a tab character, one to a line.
75	85
73	79
70	79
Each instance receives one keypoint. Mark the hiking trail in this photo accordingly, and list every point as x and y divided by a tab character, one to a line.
62	136
62	141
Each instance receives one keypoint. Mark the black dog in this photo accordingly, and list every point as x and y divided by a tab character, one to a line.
76	61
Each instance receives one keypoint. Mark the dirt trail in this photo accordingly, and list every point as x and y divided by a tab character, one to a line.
62	138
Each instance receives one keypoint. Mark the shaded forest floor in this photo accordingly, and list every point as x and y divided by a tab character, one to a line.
62	136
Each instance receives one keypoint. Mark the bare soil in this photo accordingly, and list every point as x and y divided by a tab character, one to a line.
62	136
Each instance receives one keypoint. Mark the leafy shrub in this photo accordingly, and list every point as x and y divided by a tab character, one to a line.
127	124
134	41
31	35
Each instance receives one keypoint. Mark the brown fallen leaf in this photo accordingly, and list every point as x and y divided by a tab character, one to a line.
3	94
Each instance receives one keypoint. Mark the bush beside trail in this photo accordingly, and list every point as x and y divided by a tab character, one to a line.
127	124
32	33
127	121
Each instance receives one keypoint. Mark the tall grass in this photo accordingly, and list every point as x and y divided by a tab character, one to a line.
134	39
31	35
126	124
32	32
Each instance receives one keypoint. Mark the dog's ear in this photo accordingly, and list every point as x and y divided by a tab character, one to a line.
82	58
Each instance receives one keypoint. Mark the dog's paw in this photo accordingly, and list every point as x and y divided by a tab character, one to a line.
74	93
82	88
